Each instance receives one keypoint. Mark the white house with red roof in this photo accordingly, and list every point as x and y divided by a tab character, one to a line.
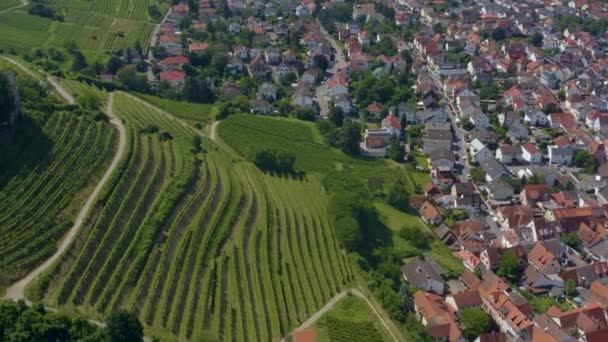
174	78
392	124
531	153
337	85
173	63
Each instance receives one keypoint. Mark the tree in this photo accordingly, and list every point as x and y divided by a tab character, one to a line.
114	63
537	39
89	101
570	287
336	115
475	322
124	326
498	34
79	62
509	266
414	236
477	174
7	101
398	196
395	151
274	161
196	89
571	239
128	79
585	160
350	138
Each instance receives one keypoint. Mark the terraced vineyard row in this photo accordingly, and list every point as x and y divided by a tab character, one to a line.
200	244
36	208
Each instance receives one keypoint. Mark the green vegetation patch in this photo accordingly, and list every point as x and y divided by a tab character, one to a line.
350	320
247	133
192	112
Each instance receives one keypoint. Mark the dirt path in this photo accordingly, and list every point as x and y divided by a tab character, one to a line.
213	130
22	4
58	87
17	290
332	302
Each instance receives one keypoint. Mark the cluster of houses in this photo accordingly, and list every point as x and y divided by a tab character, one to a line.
548	110
267	59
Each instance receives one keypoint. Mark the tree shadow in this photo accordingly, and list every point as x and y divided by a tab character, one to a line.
23	147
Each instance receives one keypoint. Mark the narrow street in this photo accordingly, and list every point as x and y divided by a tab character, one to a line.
321	94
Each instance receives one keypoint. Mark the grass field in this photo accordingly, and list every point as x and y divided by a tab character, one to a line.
395	220
191	112
199	244
351	320
4	4
39	201
240	131
95	26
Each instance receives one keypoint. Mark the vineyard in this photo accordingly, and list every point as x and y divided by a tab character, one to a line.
40	198
199	243
351	320
191	112
95	26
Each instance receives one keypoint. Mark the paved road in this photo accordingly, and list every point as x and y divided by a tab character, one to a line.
356	292
340	62
17	290
459	133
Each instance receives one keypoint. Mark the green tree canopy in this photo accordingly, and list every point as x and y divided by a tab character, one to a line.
475	322
395	151
7	101
350	138
571	239
510	266
124	326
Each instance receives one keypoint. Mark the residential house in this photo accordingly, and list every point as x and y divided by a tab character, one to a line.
392	124
531	154
490	258
534	193
442	160
425	275
303	96
436	317
561	155
586	275
493	169
508	154
499	191
464	300
479	151
376	138
343	102
511	312
436	139
261	106
175	78
267	91
465	197
545	256
430	214
173	63
535	118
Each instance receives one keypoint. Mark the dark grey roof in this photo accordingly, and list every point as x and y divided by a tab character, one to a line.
442	154
418	271
493	168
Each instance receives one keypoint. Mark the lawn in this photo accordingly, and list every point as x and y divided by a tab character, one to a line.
395	220
4	4
350	320
302	140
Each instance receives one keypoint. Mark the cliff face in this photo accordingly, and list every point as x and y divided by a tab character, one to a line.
14	90
10	100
